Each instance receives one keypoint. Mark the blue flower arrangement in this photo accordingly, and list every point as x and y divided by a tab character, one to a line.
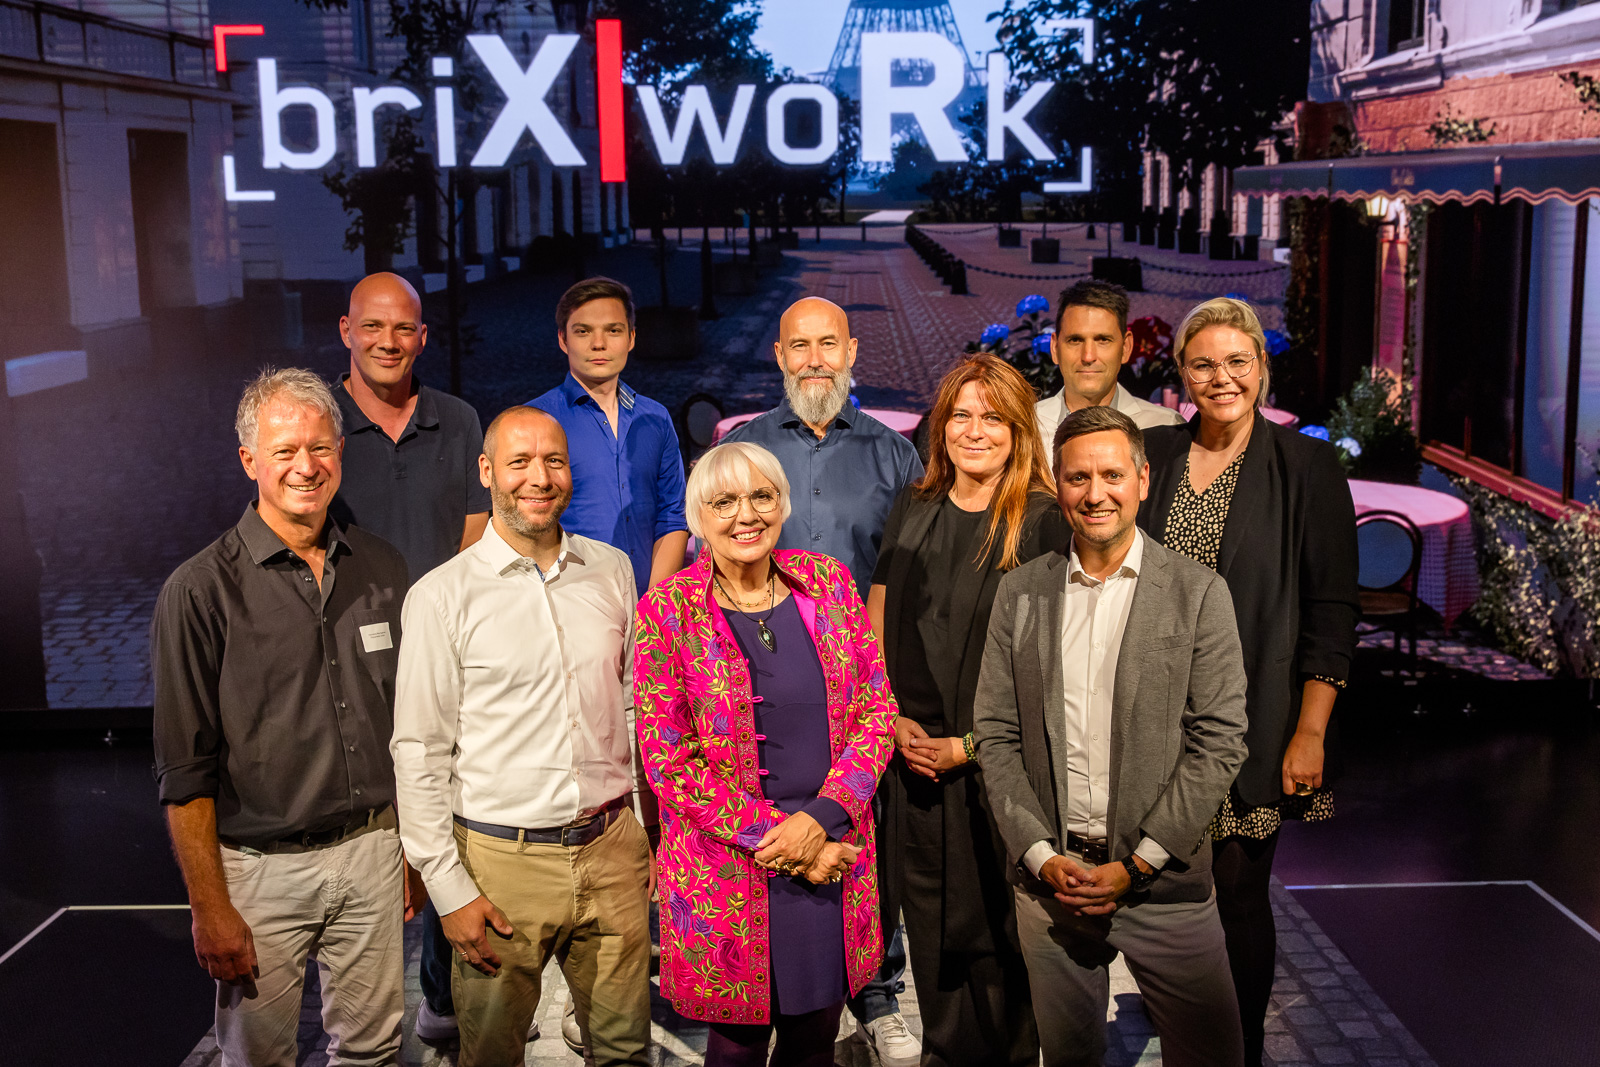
1277	342
1026	346
1319	432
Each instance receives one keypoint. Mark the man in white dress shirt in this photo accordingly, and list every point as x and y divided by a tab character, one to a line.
1109	720
1090	345
516	768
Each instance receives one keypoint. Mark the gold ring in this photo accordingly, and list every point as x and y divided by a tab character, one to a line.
1302	789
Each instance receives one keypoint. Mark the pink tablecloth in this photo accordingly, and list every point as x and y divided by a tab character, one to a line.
1277	415
904	422
1448	581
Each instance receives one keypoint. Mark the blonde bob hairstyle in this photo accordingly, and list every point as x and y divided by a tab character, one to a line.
735	467
1224	311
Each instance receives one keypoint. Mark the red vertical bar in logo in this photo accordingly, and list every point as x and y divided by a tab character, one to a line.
608	75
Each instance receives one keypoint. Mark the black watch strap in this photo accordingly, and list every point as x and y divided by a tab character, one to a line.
1138	880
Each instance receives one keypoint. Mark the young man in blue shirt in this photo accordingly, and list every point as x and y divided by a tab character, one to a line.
626	466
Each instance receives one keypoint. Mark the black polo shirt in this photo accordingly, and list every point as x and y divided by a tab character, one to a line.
272	694
415	493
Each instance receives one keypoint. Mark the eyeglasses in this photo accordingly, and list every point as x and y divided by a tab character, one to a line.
762	501
1202	371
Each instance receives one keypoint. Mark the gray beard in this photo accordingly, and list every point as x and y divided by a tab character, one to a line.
813	409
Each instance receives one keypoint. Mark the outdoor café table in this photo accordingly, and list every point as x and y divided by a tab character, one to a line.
1448	581
903	422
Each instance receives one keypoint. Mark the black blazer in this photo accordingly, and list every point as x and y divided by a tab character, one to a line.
1289	558
975	913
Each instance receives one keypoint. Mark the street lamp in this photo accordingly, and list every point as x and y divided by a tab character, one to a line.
1378	207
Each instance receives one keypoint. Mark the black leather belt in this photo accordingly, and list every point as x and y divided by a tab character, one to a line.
1092	849
572	836
311	839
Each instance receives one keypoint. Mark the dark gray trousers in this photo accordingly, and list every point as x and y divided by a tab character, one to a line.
1175	952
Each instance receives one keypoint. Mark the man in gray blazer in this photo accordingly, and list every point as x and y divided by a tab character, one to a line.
1109	722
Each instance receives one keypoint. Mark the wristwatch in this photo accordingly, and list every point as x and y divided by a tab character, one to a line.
1137	879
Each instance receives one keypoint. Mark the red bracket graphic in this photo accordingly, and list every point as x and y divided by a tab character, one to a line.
220	35
608	79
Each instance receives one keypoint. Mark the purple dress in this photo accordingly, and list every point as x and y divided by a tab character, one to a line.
791	716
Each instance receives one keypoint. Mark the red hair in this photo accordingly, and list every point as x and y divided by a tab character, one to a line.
1026	473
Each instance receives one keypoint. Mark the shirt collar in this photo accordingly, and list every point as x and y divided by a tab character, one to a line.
264	545
503	558
1132	563
787	416
573	392
425	416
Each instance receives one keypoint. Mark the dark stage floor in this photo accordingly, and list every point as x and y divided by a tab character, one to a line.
1460	879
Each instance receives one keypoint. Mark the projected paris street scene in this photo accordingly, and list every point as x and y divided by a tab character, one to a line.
1338	252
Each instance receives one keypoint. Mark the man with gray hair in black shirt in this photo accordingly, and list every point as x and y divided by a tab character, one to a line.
274	655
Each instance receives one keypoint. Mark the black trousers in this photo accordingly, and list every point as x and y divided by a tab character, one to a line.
976	1007
1242	868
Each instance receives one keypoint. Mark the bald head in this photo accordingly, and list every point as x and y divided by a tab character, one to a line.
815	351
516	418
811	313
385	334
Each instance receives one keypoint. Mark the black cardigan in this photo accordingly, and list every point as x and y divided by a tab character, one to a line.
976	912
1289	558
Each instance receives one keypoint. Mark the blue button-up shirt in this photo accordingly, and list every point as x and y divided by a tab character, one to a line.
841	486
627	487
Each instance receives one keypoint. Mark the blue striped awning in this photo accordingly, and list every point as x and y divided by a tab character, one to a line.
1558	170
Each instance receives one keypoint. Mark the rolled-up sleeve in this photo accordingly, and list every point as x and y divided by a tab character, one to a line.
670	486
185	661
427	711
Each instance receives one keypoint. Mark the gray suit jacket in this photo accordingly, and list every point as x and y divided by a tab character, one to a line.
1177	715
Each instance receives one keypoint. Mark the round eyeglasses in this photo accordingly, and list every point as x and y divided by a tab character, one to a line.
762	501
1203	370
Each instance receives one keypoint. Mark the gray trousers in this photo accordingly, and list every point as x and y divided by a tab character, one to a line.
1174	951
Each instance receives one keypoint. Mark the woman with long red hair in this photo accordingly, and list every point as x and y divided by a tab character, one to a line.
985	505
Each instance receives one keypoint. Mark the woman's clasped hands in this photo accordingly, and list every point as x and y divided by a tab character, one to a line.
799	846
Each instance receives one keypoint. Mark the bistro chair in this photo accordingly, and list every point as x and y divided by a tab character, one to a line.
697	424
1390	551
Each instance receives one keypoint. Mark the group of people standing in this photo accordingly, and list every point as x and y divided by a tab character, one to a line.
1048	699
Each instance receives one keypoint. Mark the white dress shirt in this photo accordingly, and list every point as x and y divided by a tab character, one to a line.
514	698
1093	618
1052	409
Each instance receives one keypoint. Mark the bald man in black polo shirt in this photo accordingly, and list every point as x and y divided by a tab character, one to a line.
274	656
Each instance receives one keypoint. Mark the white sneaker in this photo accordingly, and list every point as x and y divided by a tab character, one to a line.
893	1042
431	1027
569	1028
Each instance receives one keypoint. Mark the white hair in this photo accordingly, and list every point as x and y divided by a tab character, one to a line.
728	468
296	385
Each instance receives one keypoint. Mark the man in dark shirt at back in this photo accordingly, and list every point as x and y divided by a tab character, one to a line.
411	452
274	655
411	477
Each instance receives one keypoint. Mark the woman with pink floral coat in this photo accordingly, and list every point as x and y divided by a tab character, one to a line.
764	719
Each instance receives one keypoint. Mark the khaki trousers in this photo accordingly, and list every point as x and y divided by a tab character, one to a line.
589	907
343	903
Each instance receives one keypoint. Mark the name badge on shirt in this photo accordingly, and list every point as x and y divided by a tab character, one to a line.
375	637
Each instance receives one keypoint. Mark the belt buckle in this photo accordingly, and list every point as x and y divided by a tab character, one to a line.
570	833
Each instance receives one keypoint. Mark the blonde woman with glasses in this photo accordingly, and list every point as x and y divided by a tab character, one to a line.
1269	510
764	720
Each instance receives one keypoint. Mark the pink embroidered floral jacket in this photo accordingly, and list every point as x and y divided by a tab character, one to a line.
696	724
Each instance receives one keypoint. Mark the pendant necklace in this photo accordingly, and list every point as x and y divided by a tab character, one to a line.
767	637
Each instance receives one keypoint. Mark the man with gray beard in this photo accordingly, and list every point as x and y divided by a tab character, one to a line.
844	468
